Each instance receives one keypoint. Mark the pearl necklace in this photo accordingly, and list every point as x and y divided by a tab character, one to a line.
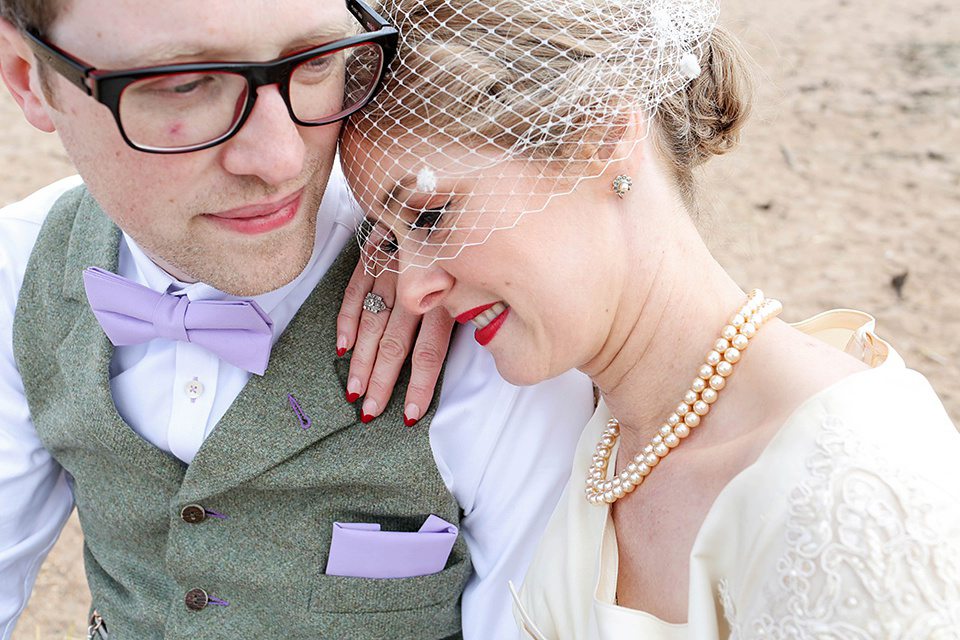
703	392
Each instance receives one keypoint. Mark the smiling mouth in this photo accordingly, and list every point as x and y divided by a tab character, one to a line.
483	319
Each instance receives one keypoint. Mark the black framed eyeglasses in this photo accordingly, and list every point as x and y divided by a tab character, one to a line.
187	107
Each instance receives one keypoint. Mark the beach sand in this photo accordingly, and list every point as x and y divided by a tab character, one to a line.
847	183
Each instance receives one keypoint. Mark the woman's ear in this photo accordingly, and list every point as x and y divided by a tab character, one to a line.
21	75
624	144
624	138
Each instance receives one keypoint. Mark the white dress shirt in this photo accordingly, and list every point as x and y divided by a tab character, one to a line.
484	434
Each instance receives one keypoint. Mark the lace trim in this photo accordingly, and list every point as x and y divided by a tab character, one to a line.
869	554
729	608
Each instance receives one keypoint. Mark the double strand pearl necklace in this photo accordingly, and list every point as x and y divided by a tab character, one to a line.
703	392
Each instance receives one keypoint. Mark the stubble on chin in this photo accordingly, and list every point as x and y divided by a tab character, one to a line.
255	265
249	266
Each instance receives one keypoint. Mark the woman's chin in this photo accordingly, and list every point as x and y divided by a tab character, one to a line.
521	374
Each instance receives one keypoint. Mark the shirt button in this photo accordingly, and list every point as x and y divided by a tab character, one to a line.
193	513
193	389
197	599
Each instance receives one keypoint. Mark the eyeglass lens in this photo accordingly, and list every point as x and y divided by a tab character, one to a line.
189	109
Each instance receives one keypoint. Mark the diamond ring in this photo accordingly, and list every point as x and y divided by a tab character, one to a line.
374	303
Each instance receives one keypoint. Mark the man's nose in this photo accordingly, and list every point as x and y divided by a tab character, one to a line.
269	145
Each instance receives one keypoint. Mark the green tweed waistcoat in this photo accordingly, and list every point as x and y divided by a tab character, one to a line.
280	486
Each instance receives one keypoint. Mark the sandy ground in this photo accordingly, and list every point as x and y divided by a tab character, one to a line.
848	179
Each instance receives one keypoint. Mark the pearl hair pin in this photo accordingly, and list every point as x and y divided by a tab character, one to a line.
690	66
703	392
426	180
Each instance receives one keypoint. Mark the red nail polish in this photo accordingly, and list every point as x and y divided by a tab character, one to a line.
409	421
340	352
365	418
352	397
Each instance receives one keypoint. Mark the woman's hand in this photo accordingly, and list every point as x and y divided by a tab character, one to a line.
381	341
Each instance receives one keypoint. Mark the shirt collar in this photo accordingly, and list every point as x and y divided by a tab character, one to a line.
336	220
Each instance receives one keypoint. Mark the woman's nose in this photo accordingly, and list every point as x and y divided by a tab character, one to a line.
421	289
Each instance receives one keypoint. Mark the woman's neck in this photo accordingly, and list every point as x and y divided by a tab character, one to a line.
668	319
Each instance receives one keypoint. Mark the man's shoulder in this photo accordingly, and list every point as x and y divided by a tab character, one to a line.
20	225
32	210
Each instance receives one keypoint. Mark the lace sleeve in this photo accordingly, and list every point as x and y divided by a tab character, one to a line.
870	551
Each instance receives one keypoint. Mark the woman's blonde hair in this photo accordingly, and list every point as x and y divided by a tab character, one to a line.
547	92
553	83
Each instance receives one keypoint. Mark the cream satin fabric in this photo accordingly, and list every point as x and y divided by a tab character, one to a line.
570	587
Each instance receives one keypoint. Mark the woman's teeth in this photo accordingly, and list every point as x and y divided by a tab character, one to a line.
487	316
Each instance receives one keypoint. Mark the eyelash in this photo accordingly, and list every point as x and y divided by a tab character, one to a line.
428	218
387	243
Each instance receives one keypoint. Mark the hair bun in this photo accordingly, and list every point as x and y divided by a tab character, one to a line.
706	119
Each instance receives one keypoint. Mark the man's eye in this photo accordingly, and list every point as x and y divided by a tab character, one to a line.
187	87
180	84
319	63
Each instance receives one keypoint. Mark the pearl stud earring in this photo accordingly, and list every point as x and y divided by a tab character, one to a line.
621	185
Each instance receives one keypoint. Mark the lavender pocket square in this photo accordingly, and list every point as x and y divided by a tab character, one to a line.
362	550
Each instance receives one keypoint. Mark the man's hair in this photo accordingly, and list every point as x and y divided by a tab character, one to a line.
31	14
37	15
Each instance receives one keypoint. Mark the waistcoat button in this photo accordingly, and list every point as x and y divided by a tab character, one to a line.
193	513
196	599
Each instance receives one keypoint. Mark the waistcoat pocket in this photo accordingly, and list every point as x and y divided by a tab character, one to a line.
340	594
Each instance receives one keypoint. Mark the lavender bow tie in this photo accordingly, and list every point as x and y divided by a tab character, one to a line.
238	331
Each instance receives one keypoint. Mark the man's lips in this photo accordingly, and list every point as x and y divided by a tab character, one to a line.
259	218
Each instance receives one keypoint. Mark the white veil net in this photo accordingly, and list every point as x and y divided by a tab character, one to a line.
493	107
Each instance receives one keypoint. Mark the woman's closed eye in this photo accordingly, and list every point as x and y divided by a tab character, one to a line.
377	237
428	219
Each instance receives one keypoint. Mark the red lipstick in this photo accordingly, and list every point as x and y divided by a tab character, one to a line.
485	335
467	316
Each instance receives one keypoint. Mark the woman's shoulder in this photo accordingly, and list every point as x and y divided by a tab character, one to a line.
882	430
889	413
860	517
888	410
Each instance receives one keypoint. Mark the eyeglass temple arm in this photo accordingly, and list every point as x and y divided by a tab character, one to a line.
69	67
370	19
374	22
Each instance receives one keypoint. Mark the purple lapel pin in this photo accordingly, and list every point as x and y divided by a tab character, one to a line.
303	417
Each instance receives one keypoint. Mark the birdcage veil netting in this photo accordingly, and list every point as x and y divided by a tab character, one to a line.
494	107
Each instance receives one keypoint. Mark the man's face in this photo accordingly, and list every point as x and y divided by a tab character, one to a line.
240	216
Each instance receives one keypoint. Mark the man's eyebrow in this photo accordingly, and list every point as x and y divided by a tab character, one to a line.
170	53
167	53
344	28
